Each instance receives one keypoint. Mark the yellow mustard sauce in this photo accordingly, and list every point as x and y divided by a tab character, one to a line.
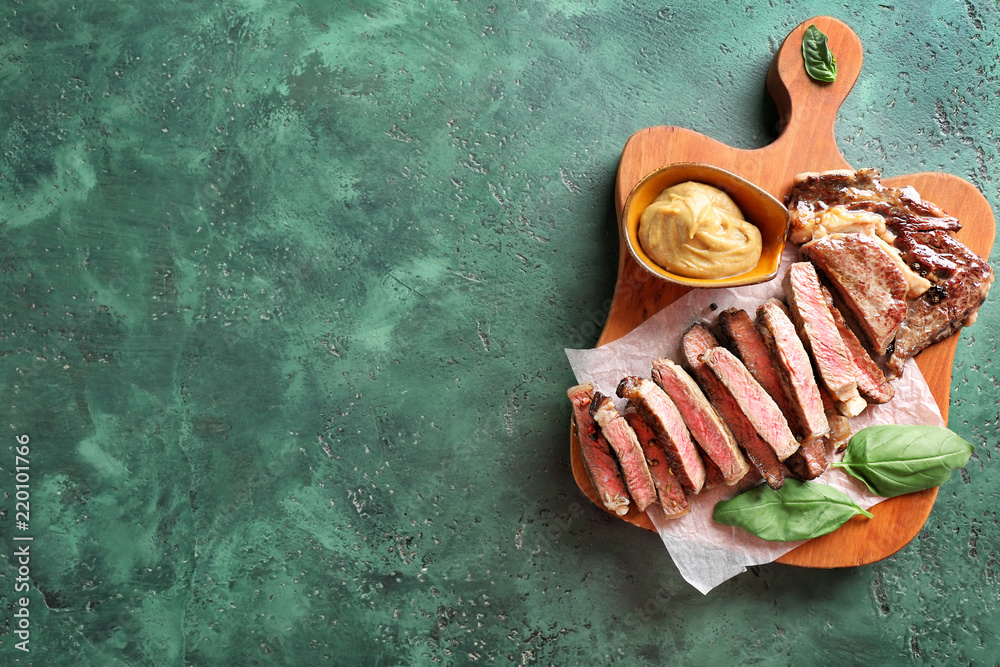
695	230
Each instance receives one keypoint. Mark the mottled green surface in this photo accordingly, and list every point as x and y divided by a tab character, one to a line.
286	289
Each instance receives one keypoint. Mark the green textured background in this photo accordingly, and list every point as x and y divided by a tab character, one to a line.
286	289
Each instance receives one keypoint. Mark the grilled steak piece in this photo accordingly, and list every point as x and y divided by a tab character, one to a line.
791	361
872	384
962	284
666	422
600	463
696	341
951	281
673	501
869	284
759	408
713	475
861	191
707	429
840	426
626	446
810	460
748	344
818	331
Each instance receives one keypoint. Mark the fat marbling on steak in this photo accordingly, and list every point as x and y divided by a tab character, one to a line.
666	422
706	427
626	446
695	342
598	460
946	282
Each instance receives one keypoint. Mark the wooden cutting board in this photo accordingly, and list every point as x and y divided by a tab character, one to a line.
808	111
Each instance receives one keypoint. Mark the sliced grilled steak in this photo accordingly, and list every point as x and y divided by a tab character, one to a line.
869	284
696	341
599	462
962	284
668	488
818	331
759	408
872	384
666	422
795	371
713	476
840	426
810	460
626	446
707	429
748	344
952	281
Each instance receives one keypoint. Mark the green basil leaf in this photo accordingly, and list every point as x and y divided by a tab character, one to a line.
797	511
895	459
820	63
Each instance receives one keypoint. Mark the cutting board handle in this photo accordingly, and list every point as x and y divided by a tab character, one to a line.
807	109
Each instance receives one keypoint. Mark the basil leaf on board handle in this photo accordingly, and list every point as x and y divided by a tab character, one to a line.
797	511
895	459
819	60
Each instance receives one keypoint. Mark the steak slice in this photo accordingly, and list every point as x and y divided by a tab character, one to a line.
626	446
810	460
962	283
696	341
791	361
818	331
598	461
707	429
748	344
759	408
666	422
840	426
872	383
668	488
867	280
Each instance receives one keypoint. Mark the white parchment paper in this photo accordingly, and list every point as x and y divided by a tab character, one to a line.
706	553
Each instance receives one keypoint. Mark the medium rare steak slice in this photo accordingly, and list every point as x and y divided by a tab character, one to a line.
872	384
707	429
810	460
759	408
867	281
673	501
666	422
963	281
818	331
748	344
626	446
599	462
791	361
696	341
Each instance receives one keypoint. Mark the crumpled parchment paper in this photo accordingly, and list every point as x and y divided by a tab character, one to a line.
706	553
